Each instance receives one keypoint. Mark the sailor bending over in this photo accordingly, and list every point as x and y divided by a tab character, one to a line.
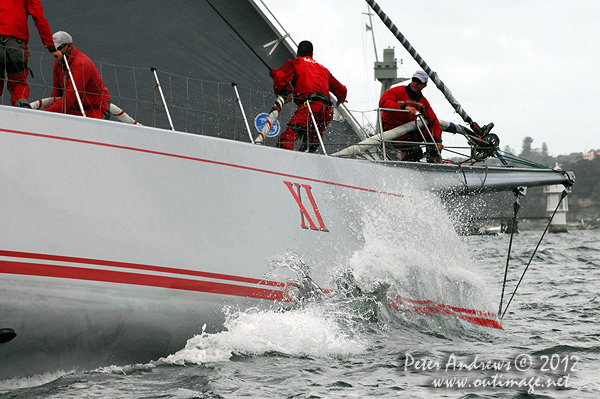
410	98
311	83
92	91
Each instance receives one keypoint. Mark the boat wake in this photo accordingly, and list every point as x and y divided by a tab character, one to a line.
33	381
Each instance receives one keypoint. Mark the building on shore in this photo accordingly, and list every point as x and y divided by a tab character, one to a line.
554	193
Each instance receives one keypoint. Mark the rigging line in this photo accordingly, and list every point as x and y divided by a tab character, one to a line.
487	171
500	157
239	35
563	195
117	81
456	152
516	208
520	160
280	24
433	75
464	175
135	85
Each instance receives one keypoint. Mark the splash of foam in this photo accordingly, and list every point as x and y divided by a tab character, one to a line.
410	244
310	331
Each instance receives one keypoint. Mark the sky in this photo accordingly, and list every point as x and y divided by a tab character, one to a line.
531	67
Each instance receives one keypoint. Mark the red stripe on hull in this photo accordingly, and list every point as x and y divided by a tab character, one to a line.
109	276
452	308
135	266
427	307
423	307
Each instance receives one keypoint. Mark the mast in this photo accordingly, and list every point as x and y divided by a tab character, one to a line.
370	27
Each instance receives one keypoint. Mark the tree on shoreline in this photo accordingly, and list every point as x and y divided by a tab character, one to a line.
584	198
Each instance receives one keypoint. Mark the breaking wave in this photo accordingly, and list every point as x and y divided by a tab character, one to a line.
307	332
416	251
33	381
412	253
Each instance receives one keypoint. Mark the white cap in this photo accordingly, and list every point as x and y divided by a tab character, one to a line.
422	76
60	38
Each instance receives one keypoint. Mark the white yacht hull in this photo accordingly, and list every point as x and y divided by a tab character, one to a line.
119	242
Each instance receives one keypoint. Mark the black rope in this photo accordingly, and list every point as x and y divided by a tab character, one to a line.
487	171
563	195
433	75
516	208
464	175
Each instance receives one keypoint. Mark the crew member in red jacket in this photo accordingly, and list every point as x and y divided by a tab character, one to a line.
92	91
410	98
14	36
311	82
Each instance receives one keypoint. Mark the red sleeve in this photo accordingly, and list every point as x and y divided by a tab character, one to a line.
390	100
339	90
34	8
284	76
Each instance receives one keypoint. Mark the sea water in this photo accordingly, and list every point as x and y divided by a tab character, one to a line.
353	346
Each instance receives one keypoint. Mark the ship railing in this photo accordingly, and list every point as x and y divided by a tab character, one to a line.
392	146
195	105
205	107
421	124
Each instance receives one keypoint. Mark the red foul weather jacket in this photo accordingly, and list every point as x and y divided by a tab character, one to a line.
307	76
400	97
89	84
13	20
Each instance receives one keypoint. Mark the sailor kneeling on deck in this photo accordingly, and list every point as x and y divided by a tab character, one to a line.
411	99
92	91
311	84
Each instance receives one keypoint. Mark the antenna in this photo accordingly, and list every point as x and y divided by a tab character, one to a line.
372	32
386	72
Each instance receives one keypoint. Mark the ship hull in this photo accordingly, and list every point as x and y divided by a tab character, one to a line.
119	242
